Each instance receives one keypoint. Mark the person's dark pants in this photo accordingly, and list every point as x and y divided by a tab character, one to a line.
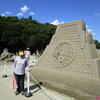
20	82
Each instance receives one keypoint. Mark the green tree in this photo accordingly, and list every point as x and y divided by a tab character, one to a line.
21	33
97	44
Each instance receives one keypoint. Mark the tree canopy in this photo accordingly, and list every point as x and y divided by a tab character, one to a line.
21	33
97	44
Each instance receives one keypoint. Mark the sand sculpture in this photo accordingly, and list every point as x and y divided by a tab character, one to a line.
70	63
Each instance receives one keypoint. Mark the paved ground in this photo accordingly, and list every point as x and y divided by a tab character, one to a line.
8	94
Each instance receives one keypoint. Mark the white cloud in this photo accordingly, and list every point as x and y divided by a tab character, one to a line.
87	26
31	13
56	22
3	14
62	22
97	14
90	30
93	15
20	14
24	8
88	17
8	12
93	33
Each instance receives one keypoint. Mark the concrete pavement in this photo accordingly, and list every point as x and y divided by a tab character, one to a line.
6	93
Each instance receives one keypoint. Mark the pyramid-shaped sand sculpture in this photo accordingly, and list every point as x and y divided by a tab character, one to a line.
70	57
71	50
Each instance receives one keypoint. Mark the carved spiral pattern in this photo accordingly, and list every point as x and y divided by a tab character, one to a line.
63	54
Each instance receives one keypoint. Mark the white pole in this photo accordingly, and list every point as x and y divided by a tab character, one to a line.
5	68
28	80
4	72
28	93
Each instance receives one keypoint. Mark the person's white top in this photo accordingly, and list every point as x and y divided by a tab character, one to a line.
32	60
20	65
27	54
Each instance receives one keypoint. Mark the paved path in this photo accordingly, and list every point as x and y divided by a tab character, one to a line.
8	94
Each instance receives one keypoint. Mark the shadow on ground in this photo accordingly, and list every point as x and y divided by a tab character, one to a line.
35	88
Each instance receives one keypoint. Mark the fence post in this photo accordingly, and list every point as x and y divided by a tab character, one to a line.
5	68
28	93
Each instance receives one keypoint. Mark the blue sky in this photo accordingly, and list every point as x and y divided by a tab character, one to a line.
56	11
